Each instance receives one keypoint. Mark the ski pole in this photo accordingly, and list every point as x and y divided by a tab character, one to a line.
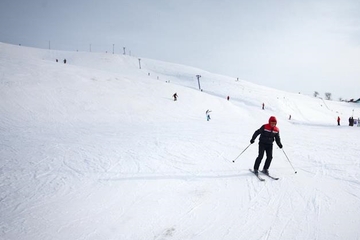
289	160
241	152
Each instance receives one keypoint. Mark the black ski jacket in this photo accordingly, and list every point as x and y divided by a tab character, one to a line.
267	135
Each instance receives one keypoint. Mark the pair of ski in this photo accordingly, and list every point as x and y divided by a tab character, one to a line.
262	179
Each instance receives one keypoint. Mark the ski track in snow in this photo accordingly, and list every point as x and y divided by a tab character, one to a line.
97	149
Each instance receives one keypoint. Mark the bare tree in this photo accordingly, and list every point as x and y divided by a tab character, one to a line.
316	93
328	96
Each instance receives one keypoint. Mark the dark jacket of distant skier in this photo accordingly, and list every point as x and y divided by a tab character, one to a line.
268	133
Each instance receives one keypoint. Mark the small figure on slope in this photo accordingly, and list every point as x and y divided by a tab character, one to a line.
351	121
208	114
268	133
175	96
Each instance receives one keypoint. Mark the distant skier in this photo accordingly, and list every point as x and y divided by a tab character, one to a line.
263	106
228	98
175	96
64	61
208	114
268	133
338	120
351	121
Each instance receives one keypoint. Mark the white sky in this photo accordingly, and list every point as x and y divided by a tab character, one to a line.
298	46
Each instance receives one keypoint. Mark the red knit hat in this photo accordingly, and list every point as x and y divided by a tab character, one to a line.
272	119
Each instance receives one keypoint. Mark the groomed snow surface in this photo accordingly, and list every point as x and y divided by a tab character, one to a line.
97	149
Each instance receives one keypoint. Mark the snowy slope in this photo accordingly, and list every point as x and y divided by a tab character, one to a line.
97	149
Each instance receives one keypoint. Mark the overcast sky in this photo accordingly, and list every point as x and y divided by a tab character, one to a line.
293	45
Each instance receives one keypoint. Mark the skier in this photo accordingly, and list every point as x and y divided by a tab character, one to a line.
175	96
338	120
351	121
208	114
268	132
263	106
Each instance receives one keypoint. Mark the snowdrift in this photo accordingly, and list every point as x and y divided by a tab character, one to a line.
97	149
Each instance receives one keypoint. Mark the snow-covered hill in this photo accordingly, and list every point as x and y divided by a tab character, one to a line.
97	149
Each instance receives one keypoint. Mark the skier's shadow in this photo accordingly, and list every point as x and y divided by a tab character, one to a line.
175	176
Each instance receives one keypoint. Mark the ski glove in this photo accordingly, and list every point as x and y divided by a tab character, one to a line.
280	145
252	141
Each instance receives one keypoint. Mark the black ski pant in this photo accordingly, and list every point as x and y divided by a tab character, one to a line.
268	148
